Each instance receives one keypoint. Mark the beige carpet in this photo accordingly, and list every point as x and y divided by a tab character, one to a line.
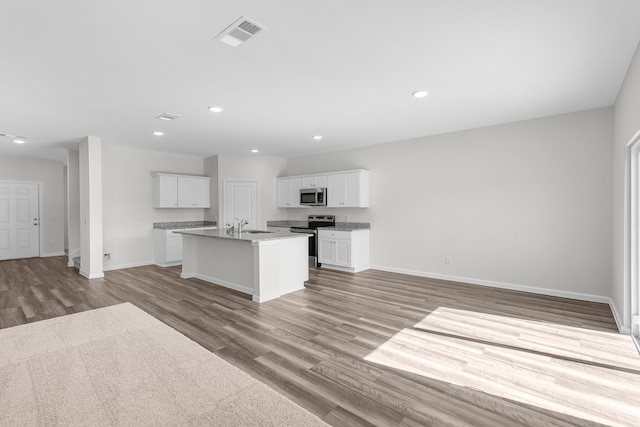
120	366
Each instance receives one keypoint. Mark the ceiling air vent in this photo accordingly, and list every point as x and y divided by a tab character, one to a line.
8	135
167	116
240	31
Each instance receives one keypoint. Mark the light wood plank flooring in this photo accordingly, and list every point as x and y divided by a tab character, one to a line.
377	348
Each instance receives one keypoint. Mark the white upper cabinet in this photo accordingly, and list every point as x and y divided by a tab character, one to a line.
181	191
193	192
348	190
314	181
165	191
289	192
202	192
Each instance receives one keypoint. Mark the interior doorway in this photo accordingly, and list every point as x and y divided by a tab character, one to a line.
632	239
19	220
241	203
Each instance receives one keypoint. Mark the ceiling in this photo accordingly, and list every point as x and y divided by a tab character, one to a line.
341	69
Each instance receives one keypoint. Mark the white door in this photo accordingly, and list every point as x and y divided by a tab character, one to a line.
631	316
241	202
19	221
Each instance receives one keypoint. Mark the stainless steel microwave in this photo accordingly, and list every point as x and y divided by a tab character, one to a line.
313	197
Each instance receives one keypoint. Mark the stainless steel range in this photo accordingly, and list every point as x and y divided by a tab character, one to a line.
313	223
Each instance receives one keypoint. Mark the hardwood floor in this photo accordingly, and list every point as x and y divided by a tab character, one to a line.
377	348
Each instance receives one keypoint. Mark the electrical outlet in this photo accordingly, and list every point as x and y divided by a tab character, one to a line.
448	260
347	218
107	256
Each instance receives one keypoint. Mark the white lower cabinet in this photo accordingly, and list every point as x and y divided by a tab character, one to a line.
344	250
167	247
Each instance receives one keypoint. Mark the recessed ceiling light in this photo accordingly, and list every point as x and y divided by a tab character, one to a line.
420	93
158	133
167	116
19	141
255	150
317	137
215	109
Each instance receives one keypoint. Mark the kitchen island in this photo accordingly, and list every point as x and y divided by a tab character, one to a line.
263	264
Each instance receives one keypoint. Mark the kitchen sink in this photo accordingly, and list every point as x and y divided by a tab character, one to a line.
257	231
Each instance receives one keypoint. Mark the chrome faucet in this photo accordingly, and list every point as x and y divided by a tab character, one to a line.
241	223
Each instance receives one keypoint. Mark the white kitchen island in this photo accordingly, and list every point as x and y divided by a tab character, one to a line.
265	265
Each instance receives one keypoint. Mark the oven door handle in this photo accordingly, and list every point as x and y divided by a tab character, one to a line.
298	230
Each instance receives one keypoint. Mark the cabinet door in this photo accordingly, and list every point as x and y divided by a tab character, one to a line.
342	250
325	251
314	181
166	192
321	181
335	191
289	192
185	192
201	193
284	193
174	247
351	190
296	185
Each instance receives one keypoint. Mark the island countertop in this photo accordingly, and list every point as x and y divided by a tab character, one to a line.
245	236
340	226
180	225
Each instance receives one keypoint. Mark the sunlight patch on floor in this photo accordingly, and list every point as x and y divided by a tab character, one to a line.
518	360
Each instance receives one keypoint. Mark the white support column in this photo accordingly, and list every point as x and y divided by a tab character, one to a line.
91	263
73	205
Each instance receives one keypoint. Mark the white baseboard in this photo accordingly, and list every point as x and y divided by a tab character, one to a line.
52	254
513	287
264	298
168	264
338	268
130	265
623	329
92	276
224	283
501	285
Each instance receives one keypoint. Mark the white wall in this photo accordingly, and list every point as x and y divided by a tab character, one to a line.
526	204
263	169
626	124
49	174
128	213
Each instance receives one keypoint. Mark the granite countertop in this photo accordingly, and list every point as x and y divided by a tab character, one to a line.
179	225
340	226
287	223
244	236
350	226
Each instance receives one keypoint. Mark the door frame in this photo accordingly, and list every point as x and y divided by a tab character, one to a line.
224	198
631	297
40	209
